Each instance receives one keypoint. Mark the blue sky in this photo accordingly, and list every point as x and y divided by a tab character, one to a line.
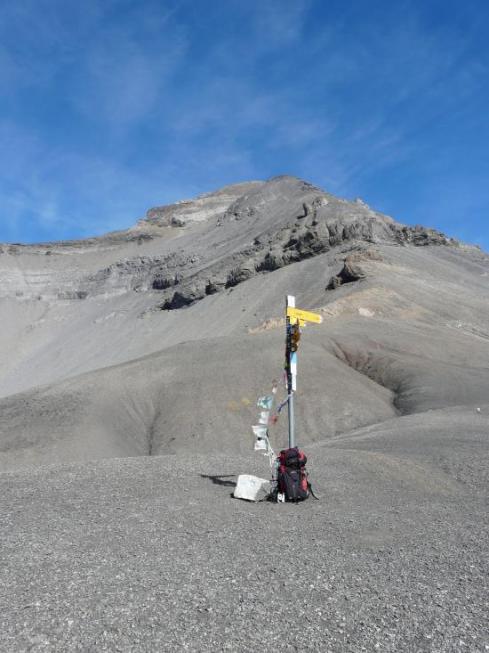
109	107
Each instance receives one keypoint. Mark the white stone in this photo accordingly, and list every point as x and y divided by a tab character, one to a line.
251	488
366	312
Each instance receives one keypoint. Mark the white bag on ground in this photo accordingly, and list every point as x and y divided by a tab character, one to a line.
251	488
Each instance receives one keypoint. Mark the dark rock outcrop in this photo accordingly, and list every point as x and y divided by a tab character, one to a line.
421	236
352	270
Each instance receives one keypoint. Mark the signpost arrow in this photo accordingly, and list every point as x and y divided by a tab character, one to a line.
303	316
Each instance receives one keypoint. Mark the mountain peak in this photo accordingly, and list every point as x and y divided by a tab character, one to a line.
198	247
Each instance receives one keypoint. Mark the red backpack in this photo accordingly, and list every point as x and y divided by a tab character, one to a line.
292	480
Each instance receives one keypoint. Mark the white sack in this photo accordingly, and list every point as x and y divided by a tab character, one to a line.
251	488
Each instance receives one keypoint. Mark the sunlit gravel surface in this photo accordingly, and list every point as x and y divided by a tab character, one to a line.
153	554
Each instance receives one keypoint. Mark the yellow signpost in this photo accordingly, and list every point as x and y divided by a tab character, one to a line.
297	314
294	319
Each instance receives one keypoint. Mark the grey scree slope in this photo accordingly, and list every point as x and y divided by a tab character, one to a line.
130	365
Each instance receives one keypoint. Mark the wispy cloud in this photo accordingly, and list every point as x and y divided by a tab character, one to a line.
120	84
278	23
124	74
112	106
56	191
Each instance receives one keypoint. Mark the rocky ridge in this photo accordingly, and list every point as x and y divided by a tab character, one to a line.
246	229
319	226
314	231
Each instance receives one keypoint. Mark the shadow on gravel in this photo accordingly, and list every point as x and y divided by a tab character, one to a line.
219	480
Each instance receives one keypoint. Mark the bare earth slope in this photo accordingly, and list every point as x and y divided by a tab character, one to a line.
147	348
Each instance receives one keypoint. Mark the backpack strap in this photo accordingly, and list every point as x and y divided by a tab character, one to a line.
309	487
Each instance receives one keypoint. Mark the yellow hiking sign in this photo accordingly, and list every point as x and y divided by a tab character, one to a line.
298	315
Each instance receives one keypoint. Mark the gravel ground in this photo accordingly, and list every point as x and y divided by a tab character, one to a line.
153	554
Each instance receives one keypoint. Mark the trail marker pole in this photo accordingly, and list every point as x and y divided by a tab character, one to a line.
294	319
289	302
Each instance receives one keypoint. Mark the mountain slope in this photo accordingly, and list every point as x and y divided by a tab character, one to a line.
404	326
53	297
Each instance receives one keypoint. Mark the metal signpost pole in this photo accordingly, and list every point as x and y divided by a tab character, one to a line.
290	302
295	318
291	421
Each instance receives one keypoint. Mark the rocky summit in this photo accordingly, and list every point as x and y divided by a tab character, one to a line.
130	367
